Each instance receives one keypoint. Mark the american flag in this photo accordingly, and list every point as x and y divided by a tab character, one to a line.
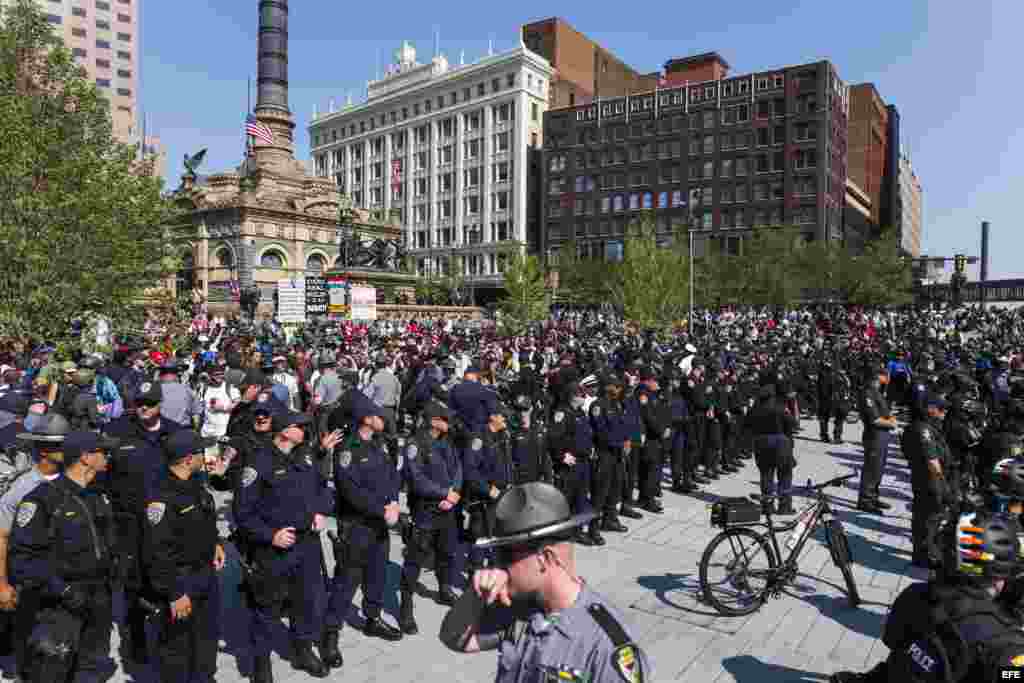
236	293
258	130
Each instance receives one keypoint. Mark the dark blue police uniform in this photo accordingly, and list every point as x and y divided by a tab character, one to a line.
473	404
486	462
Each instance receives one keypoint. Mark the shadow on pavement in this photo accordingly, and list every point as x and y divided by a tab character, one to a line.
748	668
854	619
664	584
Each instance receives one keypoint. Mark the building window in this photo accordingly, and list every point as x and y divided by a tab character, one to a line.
124	73
709	169
501	142
102	24
472	204
316	264
741	193
102	44
725	194
103	82
54	19
124	92
272	258
480	90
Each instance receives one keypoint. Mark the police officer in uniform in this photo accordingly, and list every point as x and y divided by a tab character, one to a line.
955	629
543	619
280	507
772	428
181	556
571	447
471	402
655	415
367	486
180	404
241	418
488	471
878	425
826	397
433	472
61	562
135	471
612	438
528	444
925	448
682	462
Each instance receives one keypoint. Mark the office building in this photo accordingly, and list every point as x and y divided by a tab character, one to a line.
719	153
869	139
583	69
449	147
911	201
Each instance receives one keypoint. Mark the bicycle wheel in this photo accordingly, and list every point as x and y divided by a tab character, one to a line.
839	548
737	583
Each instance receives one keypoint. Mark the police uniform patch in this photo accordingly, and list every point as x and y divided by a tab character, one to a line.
155	512
249	475
596	411
411	451
345	459
26	511
477	444
627	663
145	387
668	433
308	459
559	416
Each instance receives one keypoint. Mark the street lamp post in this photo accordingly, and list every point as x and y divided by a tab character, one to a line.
692	270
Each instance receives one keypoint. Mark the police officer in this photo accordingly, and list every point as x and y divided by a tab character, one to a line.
925	448
367	486
180	404
772	428
635	429
612	439
826	397
471	402
569	632
433	472
571	448
655	415
135	471
528	443
955	629
240	420
181	557
682	464
62	563
488	471
280	507
878	425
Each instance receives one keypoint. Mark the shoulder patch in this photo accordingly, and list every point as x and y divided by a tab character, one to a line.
559	416
26	511
477	444
411	451
596	411
145	387
627	662
308	459
667	433
249	475
345	459
155	512
263	398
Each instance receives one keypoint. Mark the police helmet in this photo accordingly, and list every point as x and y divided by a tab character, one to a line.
983	546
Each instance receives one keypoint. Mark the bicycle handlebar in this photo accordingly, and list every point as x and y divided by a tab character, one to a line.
816	488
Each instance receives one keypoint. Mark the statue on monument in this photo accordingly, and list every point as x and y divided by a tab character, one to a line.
376	254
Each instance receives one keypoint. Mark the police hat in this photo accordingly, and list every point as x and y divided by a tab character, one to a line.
78	443
50	429
436	409
532	512
185	442
150	392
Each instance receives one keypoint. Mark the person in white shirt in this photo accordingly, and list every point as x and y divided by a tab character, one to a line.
220	399
283	376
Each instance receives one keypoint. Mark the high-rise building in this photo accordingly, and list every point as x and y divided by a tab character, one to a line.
911	201
450	147
869	140
583	69
720	154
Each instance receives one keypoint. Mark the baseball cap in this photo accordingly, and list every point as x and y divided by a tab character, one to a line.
80	442
185	442
149	392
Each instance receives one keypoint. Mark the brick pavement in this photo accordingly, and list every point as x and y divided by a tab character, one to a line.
650	573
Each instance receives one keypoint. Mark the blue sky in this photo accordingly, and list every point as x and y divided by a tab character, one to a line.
953	70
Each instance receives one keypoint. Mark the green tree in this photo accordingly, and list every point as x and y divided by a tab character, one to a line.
880	276
582	281
527	298
650	285
80	221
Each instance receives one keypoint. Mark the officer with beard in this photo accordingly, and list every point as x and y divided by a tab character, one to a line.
571	448
655	414
878	425
925	448
433	472
612	439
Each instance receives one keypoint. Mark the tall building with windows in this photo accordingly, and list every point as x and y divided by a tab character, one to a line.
450	147
723	155
911	201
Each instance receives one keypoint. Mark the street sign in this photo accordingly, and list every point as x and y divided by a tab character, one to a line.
317	297
291	301
337	307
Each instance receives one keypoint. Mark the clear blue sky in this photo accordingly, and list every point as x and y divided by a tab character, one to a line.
953	69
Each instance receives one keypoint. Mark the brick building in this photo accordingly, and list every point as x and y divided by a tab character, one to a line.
869	140
724	154
584	69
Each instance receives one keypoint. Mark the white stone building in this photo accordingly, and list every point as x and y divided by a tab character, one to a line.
451	146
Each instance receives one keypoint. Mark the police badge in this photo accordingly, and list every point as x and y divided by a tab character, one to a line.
477	444
345	459
559	416
145	387
667	433
249	475
26	511
155	512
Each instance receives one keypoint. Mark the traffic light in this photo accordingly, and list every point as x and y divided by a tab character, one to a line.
959	263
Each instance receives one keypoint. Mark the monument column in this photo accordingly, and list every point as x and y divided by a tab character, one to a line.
272	84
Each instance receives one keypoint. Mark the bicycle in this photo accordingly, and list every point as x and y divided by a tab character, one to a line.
738	517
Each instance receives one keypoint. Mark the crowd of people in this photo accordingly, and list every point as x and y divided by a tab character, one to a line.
488	456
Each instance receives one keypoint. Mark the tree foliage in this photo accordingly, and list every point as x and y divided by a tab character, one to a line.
527	299
80	220
650	285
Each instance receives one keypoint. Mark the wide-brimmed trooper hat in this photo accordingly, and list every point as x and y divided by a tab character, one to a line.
533	512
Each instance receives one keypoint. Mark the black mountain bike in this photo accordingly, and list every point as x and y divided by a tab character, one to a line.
751	567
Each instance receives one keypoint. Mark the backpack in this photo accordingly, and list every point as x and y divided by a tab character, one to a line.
945	655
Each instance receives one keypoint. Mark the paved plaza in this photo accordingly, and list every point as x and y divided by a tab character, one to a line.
650	573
